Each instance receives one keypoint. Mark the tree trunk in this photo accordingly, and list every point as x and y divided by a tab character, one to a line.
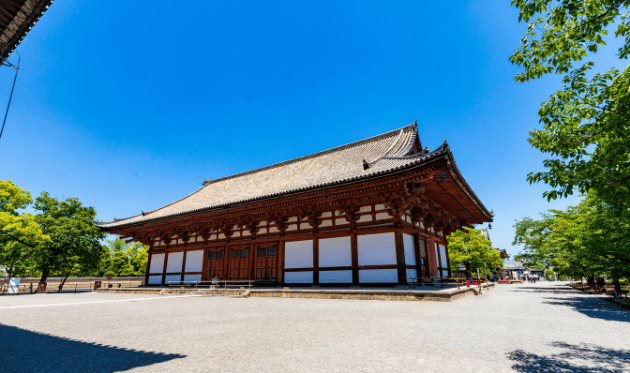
468	273
45	273
63	281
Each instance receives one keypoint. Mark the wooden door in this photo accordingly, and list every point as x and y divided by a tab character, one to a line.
267	262
214	264
239	262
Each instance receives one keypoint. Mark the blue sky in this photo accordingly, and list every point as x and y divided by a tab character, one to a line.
131	105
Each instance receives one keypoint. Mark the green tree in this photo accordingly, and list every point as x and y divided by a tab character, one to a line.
74	247
125	259
585	124
588	240
19	232
472	249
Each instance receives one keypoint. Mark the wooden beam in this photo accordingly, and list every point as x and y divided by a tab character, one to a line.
400	256
354	254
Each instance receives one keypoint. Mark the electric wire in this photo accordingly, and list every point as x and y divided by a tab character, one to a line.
10	97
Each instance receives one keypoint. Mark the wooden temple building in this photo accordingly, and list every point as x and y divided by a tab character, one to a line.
373	212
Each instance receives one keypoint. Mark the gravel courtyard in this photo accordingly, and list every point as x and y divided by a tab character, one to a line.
543	327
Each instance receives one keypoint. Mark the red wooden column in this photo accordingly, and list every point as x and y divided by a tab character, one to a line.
164	267
400	256
204	264
146	276
226	262
315	260
416	244
431	259
280	270
252	261
354	254
183	265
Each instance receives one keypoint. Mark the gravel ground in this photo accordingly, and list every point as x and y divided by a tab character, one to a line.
543	327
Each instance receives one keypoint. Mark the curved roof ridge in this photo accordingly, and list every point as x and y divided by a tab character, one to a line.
314	155
323	152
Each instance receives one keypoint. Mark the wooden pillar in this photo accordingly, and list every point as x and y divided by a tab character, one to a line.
164	267
400	256
438	259
416	246
354	253
183	265
280	270
431	259
315	261
146	276
226	262
204	263
252	261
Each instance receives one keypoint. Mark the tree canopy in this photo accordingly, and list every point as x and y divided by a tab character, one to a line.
125	259
586	123
472	249
19	232
588	240
75	239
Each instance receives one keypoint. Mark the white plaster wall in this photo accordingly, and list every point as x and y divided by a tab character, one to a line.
155	280
378	275
192	277
410	250
335	252
299	277
376	249
175	261
172	278
298	254
157	263
443	254
335	277
412	273
194	261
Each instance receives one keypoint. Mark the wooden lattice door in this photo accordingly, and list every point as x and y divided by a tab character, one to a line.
214	264
239	262
267	262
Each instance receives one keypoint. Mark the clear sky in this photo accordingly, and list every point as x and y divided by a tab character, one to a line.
130	105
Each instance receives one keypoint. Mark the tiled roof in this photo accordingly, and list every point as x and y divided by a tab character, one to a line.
383	154
17	17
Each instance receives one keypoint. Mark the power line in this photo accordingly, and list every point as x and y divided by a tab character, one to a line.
10	97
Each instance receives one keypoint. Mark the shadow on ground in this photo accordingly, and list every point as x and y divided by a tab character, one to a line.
575	359
26	351
592	307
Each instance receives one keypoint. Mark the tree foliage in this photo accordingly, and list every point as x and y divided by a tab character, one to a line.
125	259
587	240
19	232
75	239
586	123
472	249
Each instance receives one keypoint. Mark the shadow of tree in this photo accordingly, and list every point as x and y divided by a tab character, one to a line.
592	307
27	351
576	359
